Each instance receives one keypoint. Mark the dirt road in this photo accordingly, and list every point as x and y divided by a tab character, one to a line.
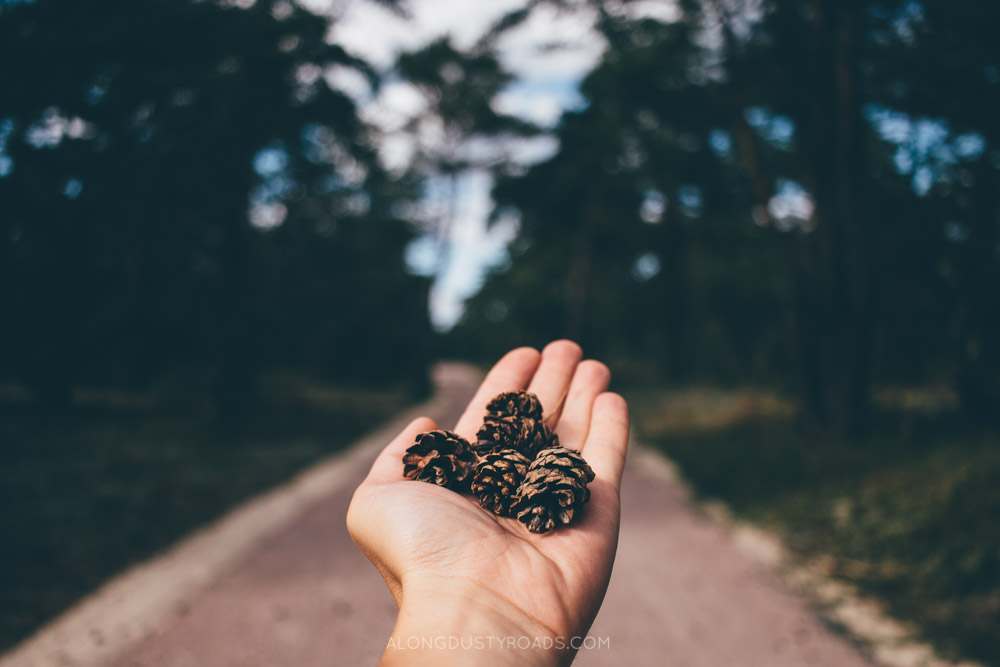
279	582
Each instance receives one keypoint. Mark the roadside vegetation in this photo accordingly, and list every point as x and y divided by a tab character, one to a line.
89	492
910	514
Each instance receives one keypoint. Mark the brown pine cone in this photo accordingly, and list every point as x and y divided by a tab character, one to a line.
440	457
553	491
498	478
534	437
526	435
514	404
498	433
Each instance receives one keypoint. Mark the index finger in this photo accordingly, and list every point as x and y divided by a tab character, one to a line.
607	441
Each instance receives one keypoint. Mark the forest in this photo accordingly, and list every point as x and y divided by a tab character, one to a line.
799	197
794	193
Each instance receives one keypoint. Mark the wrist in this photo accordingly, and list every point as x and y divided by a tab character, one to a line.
455	622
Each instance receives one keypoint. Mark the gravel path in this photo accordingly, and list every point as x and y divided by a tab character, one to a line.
279	582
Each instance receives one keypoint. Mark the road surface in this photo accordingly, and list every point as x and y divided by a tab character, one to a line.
279	582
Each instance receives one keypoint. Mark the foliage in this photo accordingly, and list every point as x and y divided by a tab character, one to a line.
123	477
182	187
909	514
772	191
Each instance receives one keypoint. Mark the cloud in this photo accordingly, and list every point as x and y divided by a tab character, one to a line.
378	34
541	101
553	45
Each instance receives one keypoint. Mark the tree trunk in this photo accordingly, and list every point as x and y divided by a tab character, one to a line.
235	389
838	313
674	308
978	374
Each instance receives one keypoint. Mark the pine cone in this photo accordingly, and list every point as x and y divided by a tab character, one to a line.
497	433
514	404
524	434
553	491
498	478
440	457
535	437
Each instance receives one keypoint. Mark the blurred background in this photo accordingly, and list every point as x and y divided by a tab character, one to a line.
235	234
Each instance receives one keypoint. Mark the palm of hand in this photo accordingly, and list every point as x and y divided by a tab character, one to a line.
422	536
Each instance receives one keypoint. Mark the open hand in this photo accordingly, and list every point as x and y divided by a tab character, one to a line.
484	582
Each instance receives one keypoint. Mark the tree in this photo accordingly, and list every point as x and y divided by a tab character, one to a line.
181	185
788	242
947	80
634	236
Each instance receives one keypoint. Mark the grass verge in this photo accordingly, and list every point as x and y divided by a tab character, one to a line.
119	478
910	515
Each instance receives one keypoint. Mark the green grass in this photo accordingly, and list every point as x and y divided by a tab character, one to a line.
87	493
911	515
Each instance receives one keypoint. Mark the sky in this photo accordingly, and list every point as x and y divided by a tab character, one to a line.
547	82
